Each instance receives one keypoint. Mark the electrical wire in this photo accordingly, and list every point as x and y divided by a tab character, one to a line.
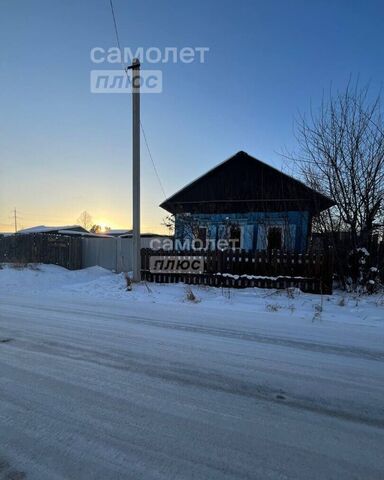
115	25
141	124
153	162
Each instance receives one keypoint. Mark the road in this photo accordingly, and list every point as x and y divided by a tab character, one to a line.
101	390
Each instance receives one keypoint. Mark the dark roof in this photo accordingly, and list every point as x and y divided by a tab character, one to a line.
242	184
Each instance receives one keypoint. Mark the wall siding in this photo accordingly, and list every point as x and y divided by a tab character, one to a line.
254	227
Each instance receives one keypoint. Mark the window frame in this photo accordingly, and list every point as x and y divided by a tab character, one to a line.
281	228
241	230
202	227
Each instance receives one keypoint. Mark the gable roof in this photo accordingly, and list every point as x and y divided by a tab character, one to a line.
243	183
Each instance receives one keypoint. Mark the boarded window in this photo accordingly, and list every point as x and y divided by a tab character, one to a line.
275	238
202	234
235	236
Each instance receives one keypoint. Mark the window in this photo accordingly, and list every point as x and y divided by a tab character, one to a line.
235	236
275	238
202	235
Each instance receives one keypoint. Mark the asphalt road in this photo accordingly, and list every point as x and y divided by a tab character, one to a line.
96	390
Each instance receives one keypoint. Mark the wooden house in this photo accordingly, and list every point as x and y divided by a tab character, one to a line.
248	202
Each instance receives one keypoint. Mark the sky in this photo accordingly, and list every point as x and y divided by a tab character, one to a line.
64	149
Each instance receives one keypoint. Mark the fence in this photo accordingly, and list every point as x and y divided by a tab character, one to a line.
343	246
113	253
240	269
42	248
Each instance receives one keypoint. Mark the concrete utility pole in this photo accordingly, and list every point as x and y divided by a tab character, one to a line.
136	260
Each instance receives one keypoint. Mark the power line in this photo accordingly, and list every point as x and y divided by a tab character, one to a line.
153	162
115	25
141	124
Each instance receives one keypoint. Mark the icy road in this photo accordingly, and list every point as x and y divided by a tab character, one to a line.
100	389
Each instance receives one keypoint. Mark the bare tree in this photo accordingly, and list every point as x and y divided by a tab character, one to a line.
188	225
169	222
85	220
341	153
95	229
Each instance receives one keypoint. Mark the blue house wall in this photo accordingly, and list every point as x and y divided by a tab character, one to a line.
254	227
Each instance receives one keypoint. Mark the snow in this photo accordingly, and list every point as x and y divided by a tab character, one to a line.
100	383
44	229
101	283
81	234
257	277
120	231
363	250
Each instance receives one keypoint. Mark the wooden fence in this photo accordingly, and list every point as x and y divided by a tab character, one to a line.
240	269
42	248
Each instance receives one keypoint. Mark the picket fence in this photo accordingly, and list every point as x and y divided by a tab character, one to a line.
42	248
311	272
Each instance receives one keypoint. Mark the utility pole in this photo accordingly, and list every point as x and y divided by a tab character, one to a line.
136	258
15	218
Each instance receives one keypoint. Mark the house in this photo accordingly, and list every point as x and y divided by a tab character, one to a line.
71	230
249	203
120	232
125	233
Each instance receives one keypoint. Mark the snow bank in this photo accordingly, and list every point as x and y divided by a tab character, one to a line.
97	282
44	278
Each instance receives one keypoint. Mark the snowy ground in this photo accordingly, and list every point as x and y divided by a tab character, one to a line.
100	383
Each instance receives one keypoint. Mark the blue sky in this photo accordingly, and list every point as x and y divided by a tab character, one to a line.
64	150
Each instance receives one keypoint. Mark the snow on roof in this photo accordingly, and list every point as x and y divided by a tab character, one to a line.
143	234
119	231
127	232
44	229
82	234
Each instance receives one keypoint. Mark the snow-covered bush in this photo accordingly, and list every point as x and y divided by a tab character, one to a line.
189	295
362	278
293	292
272	307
